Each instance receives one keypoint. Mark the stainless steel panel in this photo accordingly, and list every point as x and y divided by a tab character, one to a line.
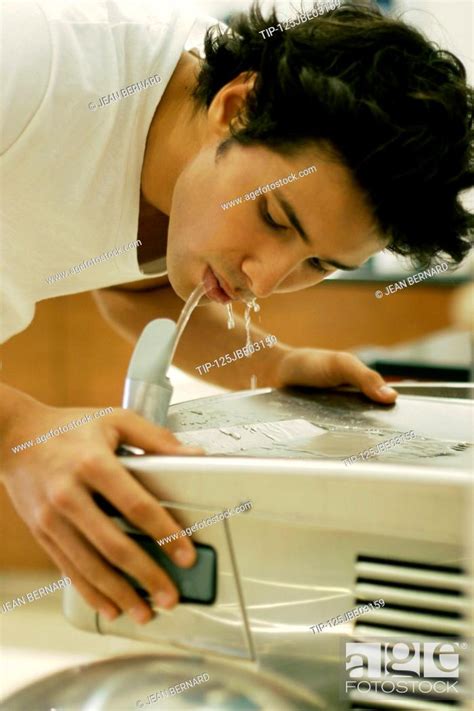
352	424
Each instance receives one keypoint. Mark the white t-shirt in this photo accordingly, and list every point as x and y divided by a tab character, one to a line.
70	171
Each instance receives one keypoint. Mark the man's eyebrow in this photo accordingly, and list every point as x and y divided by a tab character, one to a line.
292	217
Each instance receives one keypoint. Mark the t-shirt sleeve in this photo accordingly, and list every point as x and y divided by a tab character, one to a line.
25	62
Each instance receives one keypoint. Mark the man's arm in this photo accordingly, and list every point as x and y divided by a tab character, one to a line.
206	337
52	463
130	307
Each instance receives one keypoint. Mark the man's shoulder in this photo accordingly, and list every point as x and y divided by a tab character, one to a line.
25	66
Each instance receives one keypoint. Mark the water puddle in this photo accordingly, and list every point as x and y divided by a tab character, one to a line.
345	427
298	438
244	438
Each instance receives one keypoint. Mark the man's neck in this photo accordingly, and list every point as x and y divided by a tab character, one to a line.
175	135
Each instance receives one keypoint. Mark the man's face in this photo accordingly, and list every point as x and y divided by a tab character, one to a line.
257	248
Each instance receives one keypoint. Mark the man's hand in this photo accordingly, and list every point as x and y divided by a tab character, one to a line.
52	484
328	369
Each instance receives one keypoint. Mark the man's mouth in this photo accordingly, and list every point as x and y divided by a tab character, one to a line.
224	285
217	288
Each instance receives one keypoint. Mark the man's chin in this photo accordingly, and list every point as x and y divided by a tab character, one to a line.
181	288
176	284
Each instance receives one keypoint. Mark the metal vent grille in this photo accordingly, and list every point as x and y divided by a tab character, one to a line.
423	603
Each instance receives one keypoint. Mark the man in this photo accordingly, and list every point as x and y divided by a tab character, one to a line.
370	119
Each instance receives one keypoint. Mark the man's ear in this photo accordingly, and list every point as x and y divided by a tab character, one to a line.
227	108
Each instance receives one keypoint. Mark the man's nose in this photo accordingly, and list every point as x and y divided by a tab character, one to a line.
264	280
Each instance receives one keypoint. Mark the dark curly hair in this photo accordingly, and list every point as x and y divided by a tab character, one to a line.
393	108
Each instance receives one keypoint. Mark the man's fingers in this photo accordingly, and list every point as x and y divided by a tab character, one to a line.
139	507
353	371
120	550
139	432
96	572
91	595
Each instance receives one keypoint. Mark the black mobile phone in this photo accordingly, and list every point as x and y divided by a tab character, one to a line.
197	585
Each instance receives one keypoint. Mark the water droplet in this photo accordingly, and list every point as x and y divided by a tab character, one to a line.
251	306
230	316
234	435
247	326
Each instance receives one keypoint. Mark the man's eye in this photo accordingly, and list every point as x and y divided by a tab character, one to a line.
270	221
316	264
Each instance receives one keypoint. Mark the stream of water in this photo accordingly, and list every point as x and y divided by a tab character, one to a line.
191	304
251	306
185	314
